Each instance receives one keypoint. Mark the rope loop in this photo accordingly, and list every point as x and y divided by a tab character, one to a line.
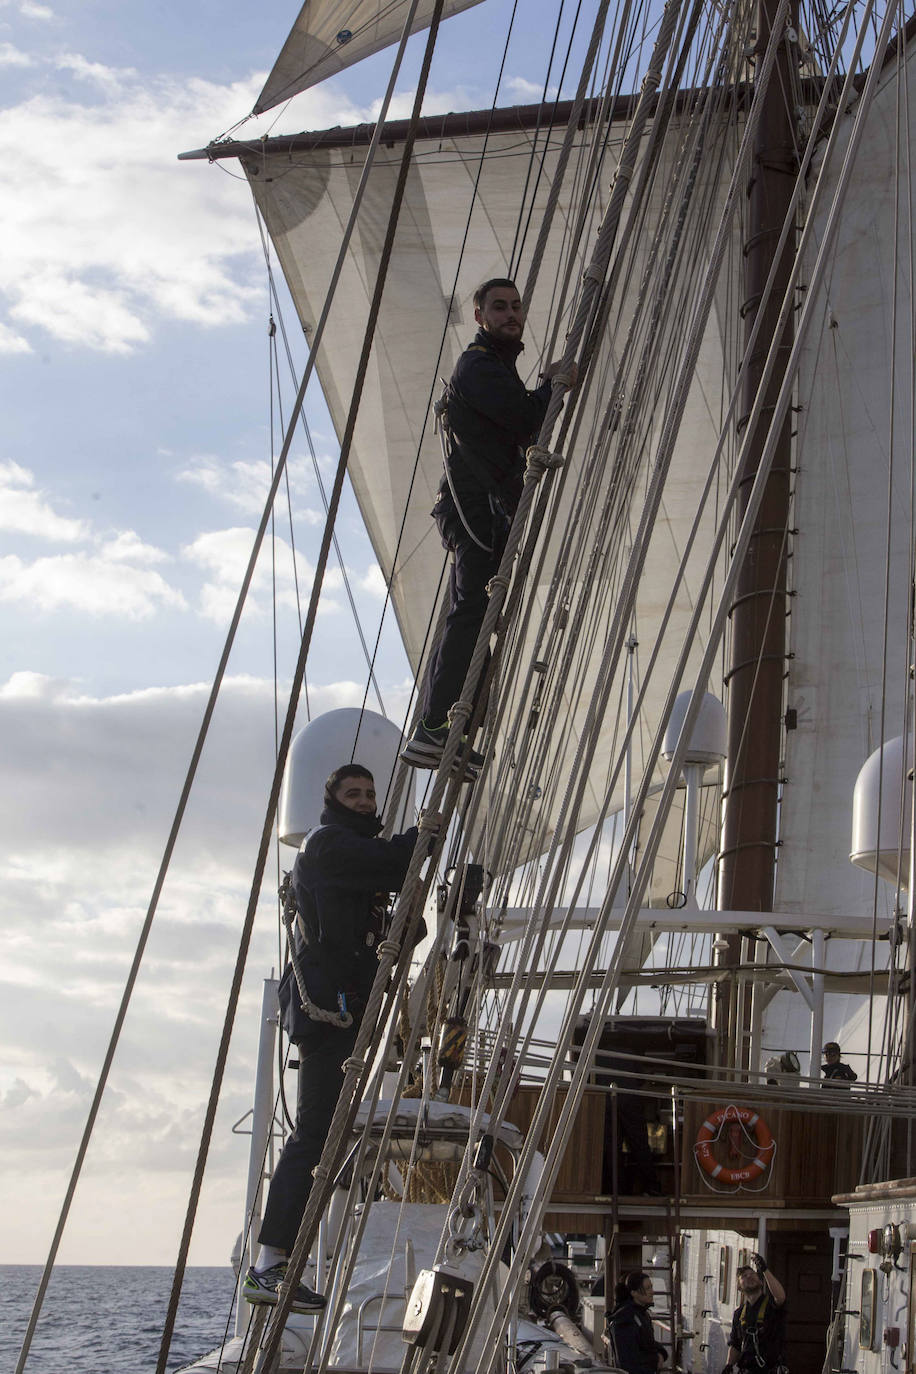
461	710
353	1065
496	583
429	822
541	460
388	947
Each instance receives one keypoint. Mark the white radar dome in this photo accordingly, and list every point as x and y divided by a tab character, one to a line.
707	742
880	788
326	743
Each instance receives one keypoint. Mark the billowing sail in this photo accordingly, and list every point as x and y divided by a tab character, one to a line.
448	241
852	538
328	37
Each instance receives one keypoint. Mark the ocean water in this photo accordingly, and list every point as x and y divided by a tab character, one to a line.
101	1320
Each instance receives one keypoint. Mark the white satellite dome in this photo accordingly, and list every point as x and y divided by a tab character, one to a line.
326	743
879	789
707	741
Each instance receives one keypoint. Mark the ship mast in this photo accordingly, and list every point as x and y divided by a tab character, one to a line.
758	614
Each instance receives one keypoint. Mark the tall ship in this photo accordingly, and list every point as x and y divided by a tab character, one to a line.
685	866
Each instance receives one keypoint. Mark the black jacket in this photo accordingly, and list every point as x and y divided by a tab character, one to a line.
342	879
838	1075
492	417
758	1334
637	1350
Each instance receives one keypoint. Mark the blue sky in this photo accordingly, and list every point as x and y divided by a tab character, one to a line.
136	446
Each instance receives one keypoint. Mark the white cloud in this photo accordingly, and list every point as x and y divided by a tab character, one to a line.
528	91
224	555
25	510
31	10
128	547
147	237
11	342
109	79
245	483
84	582
76	312
13	57
83	835
372	581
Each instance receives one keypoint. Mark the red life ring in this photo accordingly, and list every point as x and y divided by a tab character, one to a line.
710	1130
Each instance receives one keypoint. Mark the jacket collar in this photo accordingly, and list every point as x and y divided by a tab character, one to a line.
508	351
357	821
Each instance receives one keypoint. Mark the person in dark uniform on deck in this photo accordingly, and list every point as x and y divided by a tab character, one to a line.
836	1073
629	1327
490	417
756	1343
342	879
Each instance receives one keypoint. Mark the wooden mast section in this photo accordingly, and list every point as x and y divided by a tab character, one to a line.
758	615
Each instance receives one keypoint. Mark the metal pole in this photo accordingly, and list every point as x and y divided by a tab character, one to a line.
818	955
693	779
262	1118
632	645
758	617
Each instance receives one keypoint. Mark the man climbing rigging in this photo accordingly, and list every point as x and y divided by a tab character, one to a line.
342	878
488	420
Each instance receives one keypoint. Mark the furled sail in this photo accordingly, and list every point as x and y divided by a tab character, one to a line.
328	37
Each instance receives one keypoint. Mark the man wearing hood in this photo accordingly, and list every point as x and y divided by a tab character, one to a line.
490	418
342	879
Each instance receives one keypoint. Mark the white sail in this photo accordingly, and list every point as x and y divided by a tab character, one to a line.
305	195
328	37
853	519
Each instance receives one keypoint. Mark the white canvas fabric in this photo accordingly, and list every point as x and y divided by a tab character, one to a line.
395	466
369	1332
328	37
852	488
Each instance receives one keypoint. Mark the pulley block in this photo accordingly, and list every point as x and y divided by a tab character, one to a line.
437	1309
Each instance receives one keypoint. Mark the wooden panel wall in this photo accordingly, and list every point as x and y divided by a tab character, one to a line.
817	1154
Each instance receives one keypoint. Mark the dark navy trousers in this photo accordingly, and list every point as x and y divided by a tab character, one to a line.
320	1080
472	568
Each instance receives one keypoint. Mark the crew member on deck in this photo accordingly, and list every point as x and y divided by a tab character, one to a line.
836	1073
342	879
490	418
629	1328
756	1343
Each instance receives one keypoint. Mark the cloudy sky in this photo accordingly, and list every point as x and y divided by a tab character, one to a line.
136	448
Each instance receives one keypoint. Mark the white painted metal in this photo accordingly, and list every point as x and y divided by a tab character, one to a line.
878	816
848	925
262	1118
335	738
708	737
818	955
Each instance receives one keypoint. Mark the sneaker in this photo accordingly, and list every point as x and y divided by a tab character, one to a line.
262	1287
425	746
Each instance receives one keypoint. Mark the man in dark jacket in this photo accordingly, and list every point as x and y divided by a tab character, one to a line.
836	1073
342	879
490	419
756	1343
629	1328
